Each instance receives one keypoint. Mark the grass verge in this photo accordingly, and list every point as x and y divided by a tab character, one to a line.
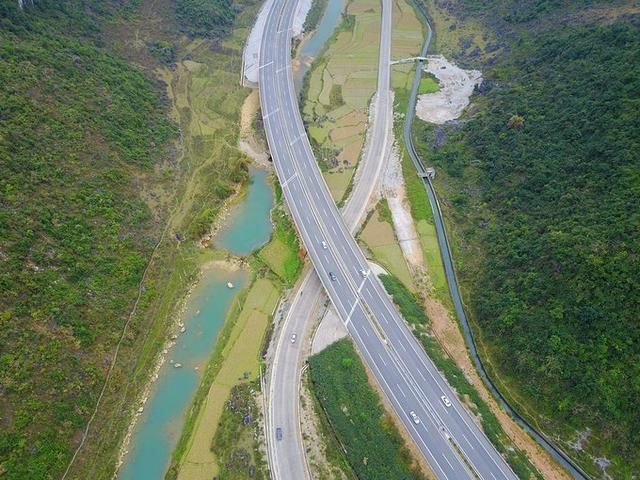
428	84
380	239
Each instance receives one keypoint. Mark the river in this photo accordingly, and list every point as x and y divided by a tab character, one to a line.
247	227
312	47
159	427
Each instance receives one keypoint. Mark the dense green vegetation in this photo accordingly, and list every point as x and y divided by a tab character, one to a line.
373	446
76	127
541	187
205	18
504	14
89	176
283	255
407	302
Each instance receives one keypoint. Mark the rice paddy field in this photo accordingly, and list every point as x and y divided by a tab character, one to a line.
406	40
340	86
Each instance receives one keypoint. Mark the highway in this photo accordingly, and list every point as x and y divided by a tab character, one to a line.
287	456
446	435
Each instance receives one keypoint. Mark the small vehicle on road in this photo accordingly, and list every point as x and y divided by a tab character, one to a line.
445	400
415	417
293	338
332	276
364	273
324	245
278	433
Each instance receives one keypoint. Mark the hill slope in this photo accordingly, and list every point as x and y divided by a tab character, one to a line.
88	175
541	189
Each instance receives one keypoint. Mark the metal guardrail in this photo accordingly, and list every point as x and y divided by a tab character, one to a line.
450	273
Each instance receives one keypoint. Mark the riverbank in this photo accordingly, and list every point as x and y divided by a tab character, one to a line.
211	263
159	424
196	180
235	358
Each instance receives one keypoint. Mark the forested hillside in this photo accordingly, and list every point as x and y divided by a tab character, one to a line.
206	18
542	187
87	176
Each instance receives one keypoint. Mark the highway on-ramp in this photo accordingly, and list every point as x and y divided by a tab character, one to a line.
443	431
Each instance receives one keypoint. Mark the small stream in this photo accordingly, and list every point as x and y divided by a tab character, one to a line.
160	425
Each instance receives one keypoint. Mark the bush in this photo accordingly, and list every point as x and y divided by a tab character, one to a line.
205	18
77	128
373	446
557	288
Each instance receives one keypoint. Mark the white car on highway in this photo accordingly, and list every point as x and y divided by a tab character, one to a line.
445	400
415	417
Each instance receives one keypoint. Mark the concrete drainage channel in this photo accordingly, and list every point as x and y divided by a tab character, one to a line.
450	273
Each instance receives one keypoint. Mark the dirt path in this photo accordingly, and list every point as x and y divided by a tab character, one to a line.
248	142
403	224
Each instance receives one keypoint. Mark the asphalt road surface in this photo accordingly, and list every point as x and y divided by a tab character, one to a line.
287	456
441	428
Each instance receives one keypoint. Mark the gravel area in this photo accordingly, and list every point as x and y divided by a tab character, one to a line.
396	195
331	329
456	86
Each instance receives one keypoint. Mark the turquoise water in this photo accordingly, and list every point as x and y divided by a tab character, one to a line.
251	227
312	47
159	427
